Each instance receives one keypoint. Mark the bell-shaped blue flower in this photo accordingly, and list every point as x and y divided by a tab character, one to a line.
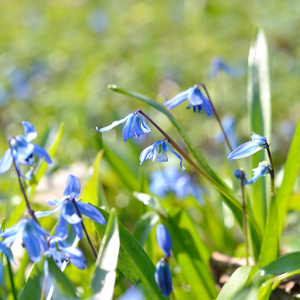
32	234
258	143
196	99
164	239
240	174
61	251
163	277
134	127
69	213
158	151
263	169
22	150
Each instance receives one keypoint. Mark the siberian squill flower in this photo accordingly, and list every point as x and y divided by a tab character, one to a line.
218	64
163	277
5	250
62	251
258	143
164	239
69	213
134	127
196	99
158	151
240	174
22	150
32	234
263	169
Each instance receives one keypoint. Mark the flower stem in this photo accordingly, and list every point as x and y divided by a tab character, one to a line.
84	229
271	171
29	208
11	278
245	226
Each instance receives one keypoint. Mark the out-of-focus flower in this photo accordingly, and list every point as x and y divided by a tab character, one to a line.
163	277
21	87
131	294
134	127
8	255
263	169
164	239
98	21
61	251
218	64
258	143
158	151
196	99
22	150
240	174
69	213
32	234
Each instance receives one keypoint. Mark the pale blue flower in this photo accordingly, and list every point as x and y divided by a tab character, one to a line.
163	239
134	127
240	174
196	99
69	213
32	234
158	151
163	277
23	150
218	64
61	252
258	143
263	169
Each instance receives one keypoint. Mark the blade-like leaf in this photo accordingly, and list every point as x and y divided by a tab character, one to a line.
259	102
103	281
133	262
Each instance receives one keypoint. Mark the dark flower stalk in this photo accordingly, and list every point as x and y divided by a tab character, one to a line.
272	170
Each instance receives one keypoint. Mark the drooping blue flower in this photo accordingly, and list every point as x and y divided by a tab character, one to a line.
32	234
69	212
240	174
61	251
196	99
258	143
158	151
164	239
134	127
22	150
163	277
5	250
218	64
263	169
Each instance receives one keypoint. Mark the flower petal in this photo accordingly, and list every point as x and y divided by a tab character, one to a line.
41	153
6	161
29	130
195	97
61	229
245	150
178	99
69	212
78	229
73	187
178	156
163	277
91	212
164	239
113	124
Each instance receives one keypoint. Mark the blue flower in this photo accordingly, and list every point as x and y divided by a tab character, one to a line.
8	255
163	277
196	99
32	234
69	212
23	150
218	64
158	151
134	127
263	169
240	174
258	143
62	251
164	239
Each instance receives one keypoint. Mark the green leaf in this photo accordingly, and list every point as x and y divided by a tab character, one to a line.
90	189
103	281
133	262
259	102
237	282
191	254
144	226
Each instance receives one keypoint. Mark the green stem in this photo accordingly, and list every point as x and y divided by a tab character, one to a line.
11	278
245	225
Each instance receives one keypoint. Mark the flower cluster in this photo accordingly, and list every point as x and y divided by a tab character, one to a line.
162	274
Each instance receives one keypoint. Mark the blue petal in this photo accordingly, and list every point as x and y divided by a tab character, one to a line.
195	97
78	229
30	132
1	272
163	277
41	153
178	99
52	202
178	156
207	106
146	153
69	213
263	169
31	243
73	187
245	150
7	252
164	239
61	229
113	124
6	161
259	140
91	212
42	214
